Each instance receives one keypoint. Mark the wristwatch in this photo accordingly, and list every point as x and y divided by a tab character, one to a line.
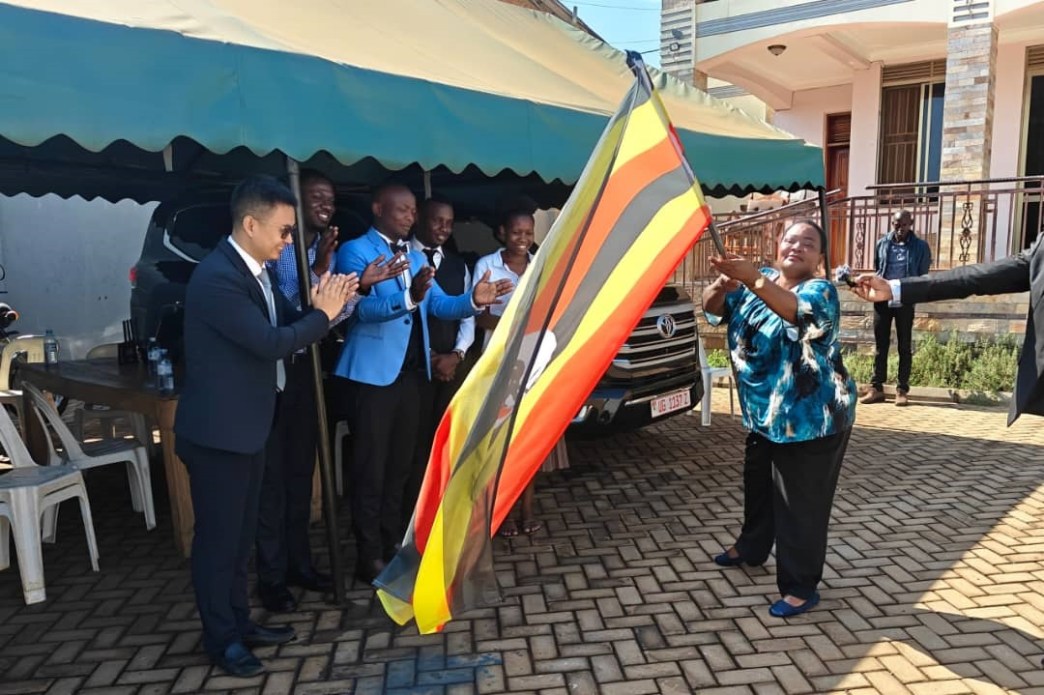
459	354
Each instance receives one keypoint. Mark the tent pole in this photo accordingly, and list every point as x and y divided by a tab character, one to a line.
427	185
304	276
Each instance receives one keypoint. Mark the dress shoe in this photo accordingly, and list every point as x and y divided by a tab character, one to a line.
366	572
265	636
782	609
238	661
276	598
312	580
901	399
872	395
726	560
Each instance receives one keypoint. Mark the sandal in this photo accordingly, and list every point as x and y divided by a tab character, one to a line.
509	529
531	526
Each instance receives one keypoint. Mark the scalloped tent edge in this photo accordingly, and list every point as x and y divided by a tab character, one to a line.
222	110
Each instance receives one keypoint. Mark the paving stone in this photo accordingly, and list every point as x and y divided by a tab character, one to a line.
934	584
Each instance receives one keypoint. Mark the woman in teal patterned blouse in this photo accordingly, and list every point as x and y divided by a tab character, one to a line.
798	404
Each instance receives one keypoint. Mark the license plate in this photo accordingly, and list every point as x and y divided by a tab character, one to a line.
668	403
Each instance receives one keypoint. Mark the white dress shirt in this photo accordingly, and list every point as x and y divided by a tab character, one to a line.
252	265
407	276
466	329
498	270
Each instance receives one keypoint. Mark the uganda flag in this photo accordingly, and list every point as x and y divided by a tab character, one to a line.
633	215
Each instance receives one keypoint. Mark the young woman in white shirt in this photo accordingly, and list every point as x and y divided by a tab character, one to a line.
510	263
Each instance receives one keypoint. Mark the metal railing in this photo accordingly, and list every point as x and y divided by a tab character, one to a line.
962	221
751	235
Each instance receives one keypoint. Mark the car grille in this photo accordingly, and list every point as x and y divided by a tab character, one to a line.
649	355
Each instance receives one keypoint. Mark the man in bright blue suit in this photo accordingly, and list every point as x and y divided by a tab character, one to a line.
385	360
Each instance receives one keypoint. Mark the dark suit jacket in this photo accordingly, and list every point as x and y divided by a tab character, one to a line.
1016	274
231	348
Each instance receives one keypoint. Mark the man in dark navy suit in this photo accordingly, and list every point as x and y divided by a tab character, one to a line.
237	333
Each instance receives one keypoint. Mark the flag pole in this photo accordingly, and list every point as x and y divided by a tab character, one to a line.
637	65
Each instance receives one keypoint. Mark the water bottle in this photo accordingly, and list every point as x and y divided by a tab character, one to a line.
153	356
165	375
157	377
50	348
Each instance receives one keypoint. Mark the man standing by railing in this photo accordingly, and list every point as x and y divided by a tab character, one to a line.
900	254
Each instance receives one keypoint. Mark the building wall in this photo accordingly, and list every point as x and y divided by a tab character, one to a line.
1008	134
725	25
807	120
806	117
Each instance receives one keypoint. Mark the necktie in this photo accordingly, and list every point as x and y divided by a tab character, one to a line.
266	284
431	254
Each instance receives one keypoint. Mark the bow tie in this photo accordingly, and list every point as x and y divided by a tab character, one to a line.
400	248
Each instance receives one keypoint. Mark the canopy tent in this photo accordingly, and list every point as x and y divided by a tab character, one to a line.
136	98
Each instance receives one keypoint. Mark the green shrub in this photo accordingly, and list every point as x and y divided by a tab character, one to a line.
861	366
985	366
717	358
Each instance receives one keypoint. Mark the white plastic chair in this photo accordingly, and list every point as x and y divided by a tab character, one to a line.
709	374
27	492
32	348
82	456
340	432
107	415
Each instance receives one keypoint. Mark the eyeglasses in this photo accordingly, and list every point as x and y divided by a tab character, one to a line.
287	230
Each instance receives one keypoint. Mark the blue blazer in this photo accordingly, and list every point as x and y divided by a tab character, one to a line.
228	398
379	330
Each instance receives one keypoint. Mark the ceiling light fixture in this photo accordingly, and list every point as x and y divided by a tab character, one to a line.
777	49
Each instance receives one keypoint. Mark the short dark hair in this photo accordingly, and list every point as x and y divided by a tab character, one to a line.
309	175
387	186
804	222
513	215
434	200
257	195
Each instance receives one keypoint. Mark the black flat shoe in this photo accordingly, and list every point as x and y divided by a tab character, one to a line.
276	598
726	560
265	636
312	580
239	662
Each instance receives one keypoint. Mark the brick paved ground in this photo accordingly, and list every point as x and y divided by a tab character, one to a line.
934	584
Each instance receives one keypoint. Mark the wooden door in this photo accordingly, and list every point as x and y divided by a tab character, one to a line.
839	128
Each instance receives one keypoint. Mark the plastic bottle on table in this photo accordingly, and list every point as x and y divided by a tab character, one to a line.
50	348
153	356
165	375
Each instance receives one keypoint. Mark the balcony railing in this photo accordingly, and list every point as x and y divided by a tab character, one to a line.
963	222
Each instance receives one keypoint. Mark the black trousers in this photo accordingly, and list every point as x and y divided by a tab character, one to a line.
384	422
225	488
883	316
286	488
788	491
435	397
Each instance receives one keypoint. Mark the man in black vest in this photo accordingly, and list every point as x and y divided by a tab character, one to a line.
449	340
